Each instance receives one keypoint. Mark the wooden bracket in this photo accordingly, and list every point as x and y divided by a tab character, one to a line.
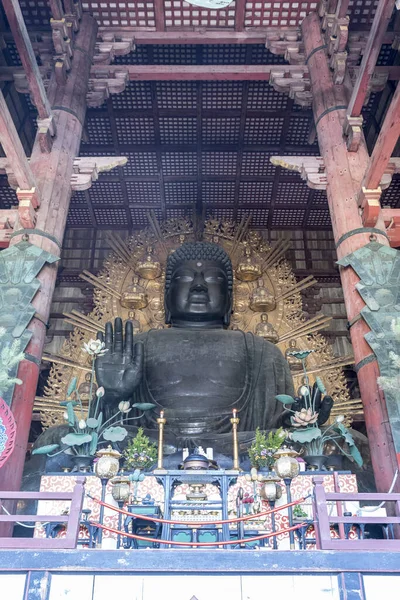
391	217
8	218
61	39
28	201
369	202
46	132
286	43
110	47
352	130
311	169
292	83
87	169
101	88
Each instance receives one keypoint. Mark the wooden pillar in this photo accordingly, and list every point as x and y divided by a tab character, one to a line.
345	172
52	174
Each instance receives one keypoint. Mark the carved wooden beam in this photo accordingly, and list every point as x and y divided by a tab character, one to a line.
86	170
378	29
33	75
27	192
380	163
312	169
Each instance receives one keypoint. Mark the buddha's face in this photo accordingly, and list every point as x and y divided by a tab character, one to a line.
198	292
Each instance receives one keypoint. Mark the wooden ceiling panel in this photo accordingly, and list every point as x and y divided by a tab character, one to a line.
180	192
132	13
221	130
219	163
172	95
178	130
135	130
143	192
183	15
255	192
277	13
179	163
218	192
265	131
137	95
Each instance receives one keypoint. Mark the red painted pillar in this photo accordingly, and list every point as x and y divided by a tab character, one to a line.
52	172
345	171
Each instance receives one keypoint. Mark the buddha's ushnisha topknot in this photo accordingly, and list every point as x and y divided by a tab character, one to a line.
199	251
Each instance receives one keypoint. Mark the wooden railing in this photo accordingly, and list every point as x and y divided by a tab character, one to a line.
323	520
72	520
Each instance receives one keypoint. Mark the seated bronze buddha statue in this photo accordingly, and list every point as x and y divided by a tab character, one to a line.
196	370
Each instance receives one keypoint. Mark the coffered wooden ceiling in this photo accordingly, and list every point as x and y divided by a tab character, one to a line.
199	143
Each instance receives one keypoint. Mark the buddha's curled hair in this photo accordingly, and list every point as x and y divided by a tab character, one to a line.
199	251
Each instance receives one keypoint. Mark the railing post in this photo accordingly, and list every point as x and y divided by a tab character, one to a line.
75	512
339	505
321	523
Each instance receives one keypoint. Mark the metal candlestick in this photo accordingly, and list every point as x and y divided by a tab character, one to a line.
161	422
235	422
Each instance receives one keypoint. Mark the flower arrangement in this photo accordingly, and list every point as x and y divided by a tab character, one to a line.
87	430
264	447
140	452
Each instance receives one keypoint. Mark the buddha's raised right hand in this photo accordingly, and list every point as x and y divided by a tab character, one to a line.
120	369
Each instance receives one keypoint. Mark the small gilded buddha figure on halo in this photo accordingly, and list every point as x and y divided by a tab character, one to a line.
295	364
267	330
84	389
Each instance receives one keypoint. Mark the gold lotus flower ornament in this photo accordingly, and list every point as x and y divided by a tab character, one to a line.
134	296
149	268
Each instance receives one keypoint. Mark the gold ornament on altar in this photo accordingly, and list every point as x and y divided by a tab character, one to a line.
149	268
262	300
121	291
134	295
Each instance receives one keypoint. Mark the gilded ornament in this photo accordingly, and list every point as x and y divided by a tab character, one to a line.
135	323
148	268
262	300
134	295
266	330
295	364
248	269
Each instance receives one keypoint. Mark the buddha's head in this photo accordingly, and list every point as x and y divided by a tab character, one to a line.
198	286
